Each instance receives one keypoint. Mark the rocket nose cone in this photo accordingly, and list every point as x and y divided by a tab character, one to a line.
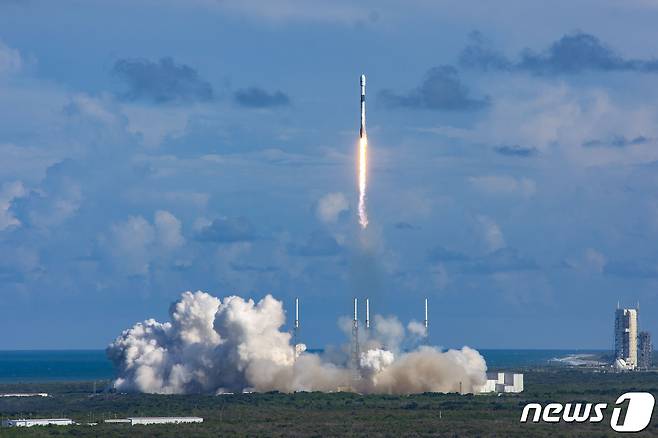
363	79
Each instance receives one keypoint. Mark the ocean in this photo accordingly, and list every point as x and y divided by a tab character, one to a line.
86	365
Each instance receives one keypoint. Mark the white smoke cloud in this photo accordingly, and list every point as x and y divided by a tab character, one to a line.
215	346
331	206
417	329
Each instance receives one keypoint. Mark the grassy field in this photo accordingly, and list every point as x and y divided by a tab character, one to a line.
321	415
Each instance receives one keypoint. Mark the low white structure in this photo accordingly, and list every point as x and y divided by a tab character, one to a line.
29	422
621	365
503	382
156	420
25	394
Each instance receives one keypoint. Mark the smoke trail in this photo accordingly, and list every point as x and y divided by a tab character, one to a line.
232	345
363	180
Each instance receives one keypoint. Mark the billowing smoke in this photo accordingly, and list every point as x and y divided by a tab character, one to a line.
234	345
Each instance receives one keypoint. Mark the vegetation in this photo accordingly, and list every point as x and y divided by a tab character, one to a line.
319	414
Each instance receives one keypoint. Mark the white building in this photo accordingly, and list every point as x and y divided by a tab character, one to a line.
503	382
25	394
38	422
156	420
626	337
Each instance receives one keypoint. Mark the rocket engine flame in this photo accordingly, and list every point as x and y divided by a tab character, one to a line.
363	181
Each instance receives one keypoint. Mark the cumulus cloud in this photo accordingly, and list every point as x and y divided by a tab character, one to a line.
11	60
136	243
168	229
214	345
573	53
504	185
330	206
559	119
491	233
228	230
441	89
255	97
163	81
57	198
9	192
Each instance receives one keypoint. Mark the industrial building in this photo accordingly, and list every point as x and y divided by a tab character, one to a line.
156	420
645	351
503	382
38	422
25	394
626	338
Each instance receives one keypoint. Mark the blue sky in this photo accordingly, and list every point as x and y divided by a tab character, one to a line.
150	148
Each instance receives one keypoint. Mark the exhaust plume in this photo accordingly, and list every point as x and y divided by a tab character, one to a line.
363	181
214	345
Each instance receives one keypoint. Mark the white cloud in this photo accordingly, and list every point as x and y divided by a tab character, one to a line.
136	243
331	206
168	230
10	59
504	185
130	244
590	261
8	193
491	233
560	119
96	109
53	206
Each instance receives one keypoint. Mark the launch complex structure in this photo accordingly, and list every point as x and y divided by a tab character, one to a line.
355	349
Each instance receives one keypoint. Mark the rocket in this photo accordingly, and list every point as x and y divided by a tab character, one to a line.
296	313
362	132
426	320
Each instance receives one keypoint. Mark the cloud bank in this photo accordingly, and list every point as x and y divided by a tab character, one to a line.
573	53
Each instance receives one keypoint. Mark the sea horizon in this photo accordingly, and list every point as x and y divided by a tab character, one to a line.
33	366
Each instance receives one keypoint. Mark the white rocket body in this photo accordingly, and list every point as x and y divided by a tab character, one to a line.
362	132
426	321
296	313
